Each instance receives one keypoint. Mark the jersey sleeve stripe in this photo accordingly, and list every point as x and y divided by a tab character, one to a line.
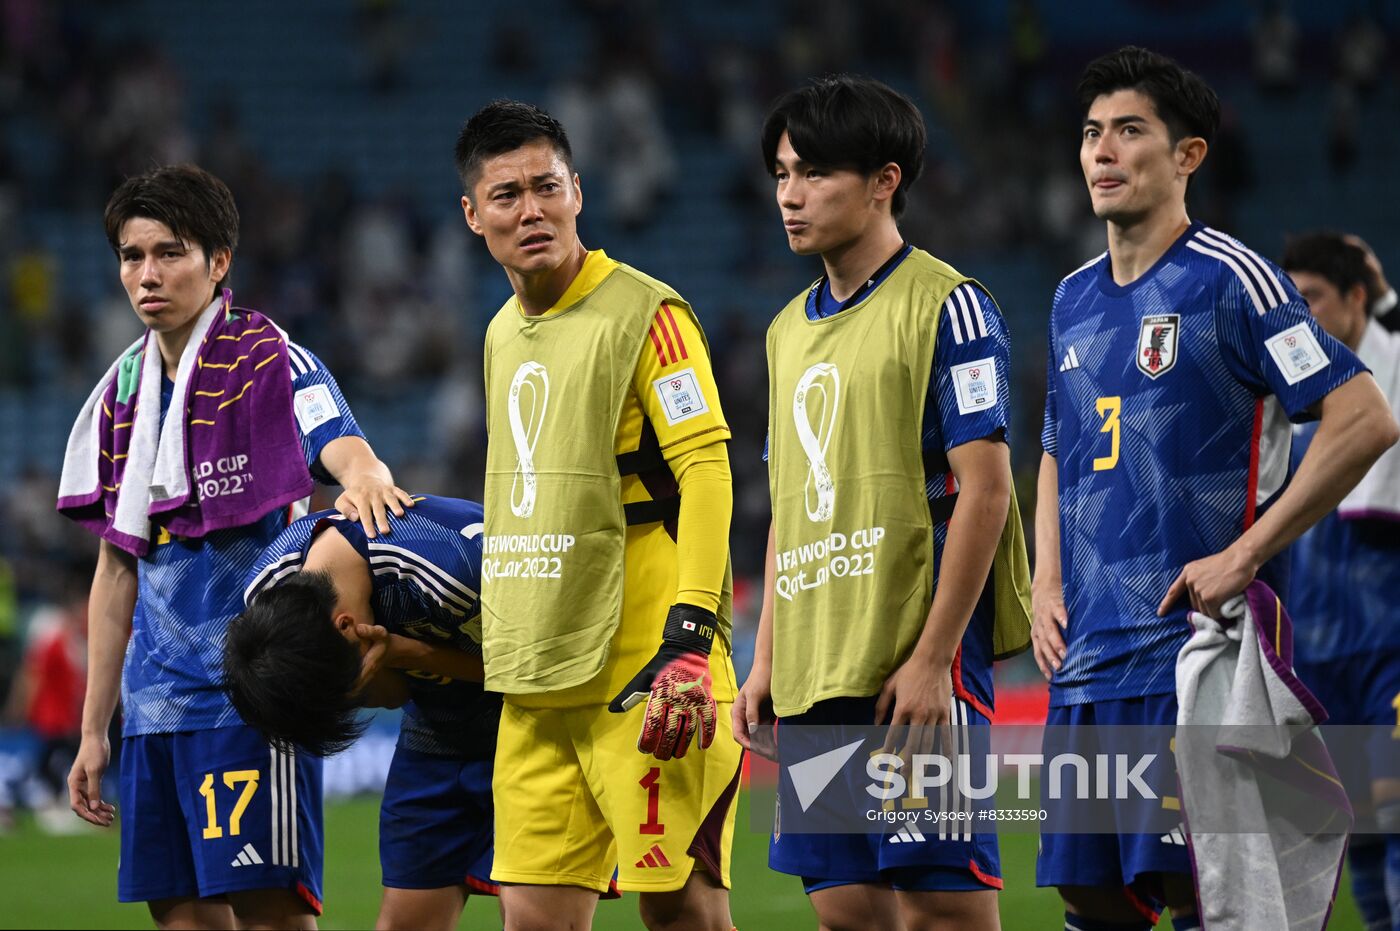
675	330
1250	260
666	338
272	572
974	301
442	581
950	309
656	344
1259	305
969	327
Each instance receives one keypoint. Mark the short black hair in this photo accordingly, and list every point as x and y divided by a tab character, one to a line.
504	126
850	121
1182	99
1329	255
289	672
197	207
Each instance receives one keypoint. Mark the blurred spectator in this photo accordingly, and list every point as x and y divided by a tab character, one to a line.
1276	48
47	696
1360	53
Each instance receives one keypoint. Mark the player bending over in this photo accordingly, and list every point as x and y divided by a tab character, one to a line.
336	621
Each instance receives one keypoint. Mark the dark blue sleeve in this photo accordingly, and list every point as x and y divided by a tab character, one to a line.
321	412
1272	344
970	388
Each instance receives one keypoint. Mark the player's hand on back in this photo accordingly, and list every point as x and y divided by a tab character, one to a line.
85	782
1209	583
676	685
1048	622
370	501
752	714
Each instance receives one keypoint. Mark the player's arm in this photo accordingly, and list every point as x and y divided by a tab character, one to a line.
675	383
405	653
1280	350
1048	615
753	706
335	446
1355	427
920	691
110	608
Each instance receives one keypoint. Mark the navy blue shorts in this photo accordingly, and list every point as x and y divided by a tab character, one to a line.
208	812
1116	860
435	826
915	859
1362	689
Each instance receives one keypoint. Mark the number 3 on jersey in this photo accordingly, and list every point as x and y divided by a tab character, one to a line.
1109	409
249	778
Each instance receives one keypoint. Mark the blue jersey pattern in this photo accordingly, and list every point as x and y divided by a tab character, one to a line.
189	589
1342	584
971	333
426	576
1167	413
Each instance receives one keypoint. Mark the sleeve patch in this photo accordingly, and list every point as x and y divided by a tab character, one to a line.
680	396
976	385
1297	353
315	406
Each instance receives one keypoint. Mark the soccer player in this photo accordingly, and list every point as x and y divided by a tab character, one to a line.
1177	359
605	580
889	404
185	461
1344	576
336	620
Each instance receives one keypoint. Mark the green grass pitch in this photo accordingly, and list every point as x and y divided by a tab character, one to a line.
70	882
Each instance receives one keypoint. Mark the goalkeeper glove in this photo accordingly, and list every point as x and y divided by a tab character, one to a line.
676	685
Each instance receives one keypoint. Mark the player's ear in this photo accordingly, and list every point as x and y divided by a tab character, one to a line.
219	263
469	211
886	181
578	195
344	623
1190	152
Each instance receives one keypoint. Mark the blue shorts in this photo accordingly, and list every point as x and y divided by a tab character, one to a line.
1118	860
435	826
208	812
1361	689
907	860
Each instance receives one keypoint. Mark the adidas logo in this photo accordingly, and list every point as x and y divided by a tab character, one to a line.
653	859
1175	837
907	835
1071	360
246	857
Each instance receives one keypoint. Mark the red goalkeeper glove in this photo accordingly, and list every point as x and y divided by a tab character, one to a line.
676	685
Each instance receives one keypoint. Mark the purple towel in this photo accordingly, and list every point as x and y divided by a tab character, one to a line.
232	458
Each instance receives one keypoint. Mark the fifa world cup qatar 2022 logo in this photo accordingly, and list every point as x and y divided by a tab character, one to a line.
815	402
526	404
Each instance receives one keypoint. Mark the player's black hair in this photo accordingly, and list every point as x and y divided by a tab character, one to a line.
197	207
504	126
850	121
1183	100
289	672
1329	255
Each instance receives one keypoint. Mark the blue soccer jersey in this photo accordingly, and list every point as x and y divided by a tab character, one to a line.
1167	411
426	576
971	335
1342	585
189	589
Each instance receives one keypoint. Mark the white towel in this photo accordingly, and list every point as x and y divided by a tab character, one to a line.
1243	714
156	469
1377	495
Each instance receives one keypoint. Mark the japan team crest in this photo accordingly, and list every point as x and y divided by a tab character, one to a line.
1156	346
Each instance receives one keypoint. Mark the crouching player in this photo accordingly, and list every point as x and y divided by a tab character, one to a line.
336	621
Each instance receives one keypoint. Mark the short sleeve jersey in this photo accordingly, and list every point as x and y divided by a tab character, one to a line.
426	585
189	589
972	335
1167	411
